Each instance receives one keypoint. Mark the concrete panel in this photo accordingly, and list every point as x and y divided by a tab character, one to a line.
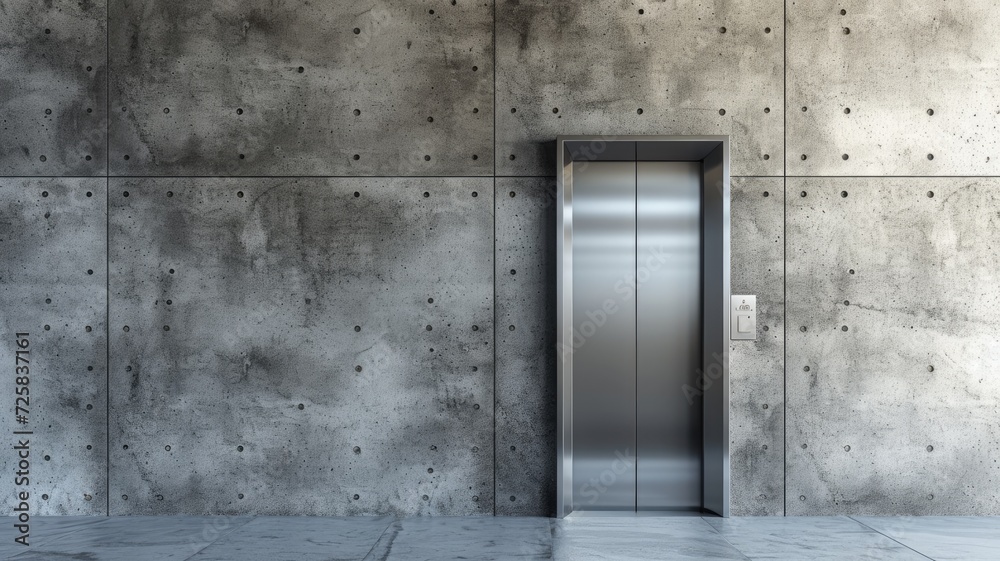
918	79
384	87
53	287
319	347
53	88
756	368
526	360
893	346
572	67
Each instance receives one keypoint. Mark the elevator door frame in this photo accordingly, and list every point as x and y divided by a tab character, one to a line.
713	154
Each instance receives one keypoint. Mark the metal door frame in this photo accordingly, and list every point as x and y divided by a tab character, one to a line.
713	152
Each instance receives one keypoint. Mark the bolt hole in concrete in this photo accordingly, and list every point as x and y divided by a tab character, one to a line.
930	156
426	194
429	328
851	271
845	157
239	448
430	300
90	271
847	448
805	369
357	328
512	157
930	448
427	158
767	110
844	328
767	156
301	69
555	109
639	111
243	156
766	194
843	194
847	302
357	194
930	368
722	111
804	109
843	12
803	329
513	110
475	194
930	112
803	194
357	157
804	157
722	30
767	30
239	194
475	157
239	111
930	194
302	406
765	406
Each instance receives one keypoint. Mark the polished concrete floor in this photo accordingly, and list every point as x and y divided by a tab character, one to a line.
247	538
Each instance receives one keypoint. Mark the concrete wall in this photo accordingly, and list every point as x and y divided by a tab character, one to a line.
321	194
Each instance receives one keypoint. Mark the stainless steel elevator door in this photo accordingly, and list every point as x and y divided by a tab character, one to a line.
604	334
669	345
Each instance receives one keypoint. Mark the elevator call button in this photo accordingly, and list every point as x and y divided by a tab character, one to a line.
743	314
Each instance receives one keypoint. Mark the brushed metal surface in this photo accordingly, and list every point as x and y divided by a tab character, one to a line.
583	464
604	332
715	342
669	304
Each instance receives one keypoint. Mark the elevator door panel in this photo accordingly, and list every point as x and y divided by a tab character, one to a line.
669	424
604	331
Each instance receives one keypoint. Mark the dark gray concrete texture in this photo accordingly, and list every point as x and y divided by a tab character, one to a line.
526	346
893	88
53	88
301	88
893	396
301	346
622	67
757	368
52	287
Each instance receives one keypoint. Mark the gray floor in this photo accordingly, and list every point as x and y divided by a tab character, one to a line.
202	538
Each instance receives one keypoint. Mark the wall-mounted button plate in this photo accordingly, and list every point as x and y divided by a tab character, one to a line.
743	314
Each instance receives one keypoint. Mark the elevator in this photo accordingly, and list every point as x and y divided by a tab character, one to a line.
643	315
